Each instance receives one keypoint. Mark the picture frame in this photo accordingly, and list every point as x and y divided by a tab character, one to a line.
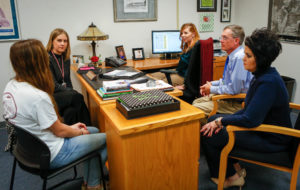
120	52
284	20
76	59
225	11
9	22
206	5
138	54
135	10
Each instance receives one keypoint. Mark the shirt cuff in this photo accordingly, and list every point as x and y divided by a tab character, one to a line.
215	83
214	90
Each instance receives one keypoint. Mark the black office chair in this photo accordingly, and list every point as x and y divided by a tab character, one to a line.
33	156
288	161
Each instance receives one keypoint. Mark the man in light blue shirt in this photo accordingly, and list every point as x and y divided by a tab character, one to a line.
235	78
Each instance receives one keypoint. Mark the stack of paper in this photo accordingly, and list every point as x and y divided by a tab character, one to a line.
158	84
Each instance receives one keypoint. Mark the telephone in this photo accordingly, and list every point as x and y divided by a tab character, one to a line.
114	61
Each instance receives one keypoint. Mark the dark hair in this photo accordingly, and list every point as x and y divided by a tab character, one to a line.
265	46
237	32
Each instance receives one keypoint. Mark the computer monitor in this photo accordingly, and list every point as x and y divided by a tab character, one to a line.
166	42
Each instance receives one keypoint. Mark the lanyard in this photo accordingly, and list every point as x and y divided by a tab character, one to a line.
62	65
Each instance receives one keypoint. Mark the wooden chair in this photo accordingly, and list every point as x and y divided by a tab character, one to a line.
216	98
288	161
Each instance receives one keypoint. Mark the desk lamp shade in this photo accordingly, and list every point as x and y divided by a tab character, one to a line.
92	33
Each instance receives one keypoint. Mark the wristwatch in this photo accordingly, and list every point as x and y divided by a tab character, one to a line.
218	122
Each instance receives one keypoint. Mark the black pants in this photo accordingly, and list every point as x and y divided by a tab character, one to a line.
72	107
212	146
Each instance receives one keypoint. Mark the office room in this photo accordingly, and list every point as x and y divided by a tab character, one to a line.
37	18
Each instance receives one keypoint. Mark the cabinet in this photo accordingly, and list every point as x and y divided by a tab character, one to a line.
218	67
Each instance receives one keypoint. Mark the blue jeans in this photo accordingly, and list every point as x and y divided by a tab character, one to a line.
76	147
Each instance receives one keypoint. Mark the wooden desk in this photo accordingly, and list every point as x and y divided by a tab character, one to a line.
95	102
153	152
152	64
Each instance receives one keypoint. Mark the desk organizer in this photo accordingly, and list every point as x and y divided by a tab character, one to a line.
146	103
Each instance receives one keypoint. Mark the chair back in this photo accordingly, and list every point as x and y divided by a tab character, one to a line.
295	141
207	55
31	152
200	67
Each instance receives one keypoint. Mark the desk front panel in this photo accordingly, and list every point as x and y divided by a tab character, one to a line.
152	158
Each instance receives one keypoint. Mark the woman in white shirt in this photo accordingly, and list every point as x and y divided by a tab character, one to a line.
28	103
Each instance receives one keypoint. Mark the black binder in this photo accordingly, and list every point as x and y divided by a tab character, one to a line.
146	103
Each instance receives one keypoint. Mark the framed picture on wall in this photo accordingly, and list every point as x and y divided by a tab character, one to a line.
284	19
138	53
9	22
206	5
120	52
225	10
135	10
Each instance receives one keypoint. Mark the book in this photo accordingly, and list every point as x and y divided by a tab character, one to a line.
104	94
115	85
158	84
114	91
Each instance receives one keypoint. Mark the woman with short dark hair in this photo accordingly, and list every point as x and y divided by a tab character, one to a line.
266	103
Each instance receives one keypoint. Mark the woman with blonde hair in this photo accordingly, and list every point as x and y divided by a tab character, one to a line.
189	37
70	103
28	103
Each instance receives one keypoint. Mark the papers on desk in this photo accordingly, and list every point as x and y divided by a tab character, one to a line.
158	84
118	74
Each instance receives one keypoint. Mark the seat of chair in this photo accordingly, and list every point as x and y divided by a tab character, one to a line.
53	172
276	158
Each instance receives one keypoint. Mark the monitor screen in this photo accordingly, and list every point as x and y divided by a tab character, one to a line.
166	41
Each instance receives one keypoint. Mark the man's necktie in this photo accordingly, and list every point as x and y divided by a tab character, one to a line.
226	63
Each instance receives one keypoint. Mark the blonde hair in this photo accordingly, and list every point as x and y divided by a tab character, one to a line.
30	62
56	32
192	28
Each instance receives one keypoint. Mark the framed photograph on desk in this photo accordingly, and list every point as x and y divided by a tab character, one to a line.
120	52
78	59
138	53
135	10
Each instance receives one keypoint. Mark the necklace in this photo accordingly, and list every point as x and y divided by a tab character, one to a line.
60	68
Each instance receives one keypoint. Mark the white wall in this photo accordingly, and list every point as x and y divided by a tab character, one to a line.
38	18
254	14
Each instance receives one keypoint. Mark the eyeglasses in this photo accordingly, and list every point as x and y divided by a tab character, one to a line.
225	38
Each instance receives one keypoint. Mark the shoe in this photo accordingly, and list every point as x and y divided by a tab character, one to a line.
95	188
214	180
83	186
242	172
238	182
